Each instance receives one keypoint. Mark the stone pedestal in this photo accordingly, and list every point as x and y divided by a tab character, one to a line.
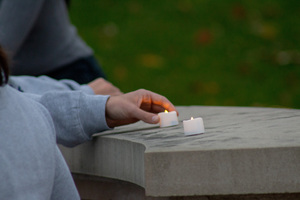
245	153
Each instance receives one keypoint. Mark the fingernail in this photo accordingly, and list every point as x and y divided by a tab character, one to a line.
155	118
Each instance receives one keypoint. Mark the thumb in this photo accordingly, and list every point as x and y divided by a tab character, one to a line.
147	117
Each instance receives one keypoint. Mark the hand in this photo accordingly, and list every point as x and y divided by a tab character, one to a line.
134	106
103	87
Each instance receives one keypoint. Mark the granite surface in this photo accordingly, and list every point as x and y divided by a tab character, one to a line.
243	151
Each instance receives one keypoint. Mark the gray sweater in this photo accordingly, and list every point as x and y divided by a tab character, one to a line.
31	165
38	36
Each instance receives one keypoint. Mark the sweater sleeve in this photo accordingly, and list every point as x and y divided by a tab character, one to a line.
43	84
76	116
17	17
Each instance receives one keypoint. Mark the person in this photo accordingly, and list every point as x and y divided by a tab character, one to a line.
32	166
40	40
42	84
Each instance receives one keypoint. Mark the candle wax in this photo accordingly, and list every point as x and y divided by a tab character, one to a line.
193	126
168	119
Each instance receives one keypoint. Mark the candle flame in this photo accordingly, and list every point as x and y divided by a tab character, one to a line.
166	111
192	118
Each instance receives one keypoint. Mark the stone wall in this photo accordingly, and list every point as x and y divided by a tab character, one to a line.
245	153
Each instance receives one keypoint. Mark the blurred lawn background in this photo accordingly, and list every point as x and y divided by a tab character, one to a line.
198	52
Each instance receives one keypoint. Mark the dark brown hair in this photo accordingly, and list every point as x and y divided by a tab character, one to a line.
4	70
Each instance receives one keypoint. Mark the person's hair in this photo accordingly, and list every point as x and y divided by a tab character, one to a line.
4	70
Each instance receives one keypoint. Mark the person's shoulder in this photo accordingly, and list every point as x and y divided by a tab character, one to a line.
24	112
16	101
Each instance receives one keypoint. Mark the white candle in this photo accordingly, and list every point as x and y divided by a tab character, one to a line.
193	126
168	118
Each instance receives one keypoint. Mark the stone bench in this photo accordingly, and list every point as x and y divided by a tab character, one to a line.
244	153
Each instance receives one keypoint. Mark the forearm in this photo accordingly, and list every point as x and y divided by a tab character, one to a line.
76	116
43	84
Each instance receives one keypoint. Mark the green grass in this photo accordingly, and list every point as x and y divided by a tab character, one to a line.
198	52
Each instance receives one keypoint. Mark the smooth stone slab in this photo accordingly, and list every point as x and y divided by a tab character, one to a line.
243	151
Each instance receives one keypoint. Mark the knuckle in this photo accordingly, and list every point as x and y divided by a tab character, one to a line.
142	90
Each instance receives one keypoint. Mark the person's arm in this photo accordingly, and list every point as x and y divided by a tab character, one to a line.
78	116
17	17
103	87
42	84
134	106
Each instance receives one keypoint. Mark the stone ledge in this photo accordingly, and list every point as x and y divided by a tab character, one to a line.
244	151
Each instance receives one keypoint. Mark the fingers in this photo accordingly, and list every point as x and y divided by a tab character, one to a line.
103	87
146	116
157	109
158	103
139	105
153	103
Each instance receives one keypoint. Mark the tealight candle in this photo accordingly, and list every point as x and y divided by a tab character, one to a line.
168	118
193	126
